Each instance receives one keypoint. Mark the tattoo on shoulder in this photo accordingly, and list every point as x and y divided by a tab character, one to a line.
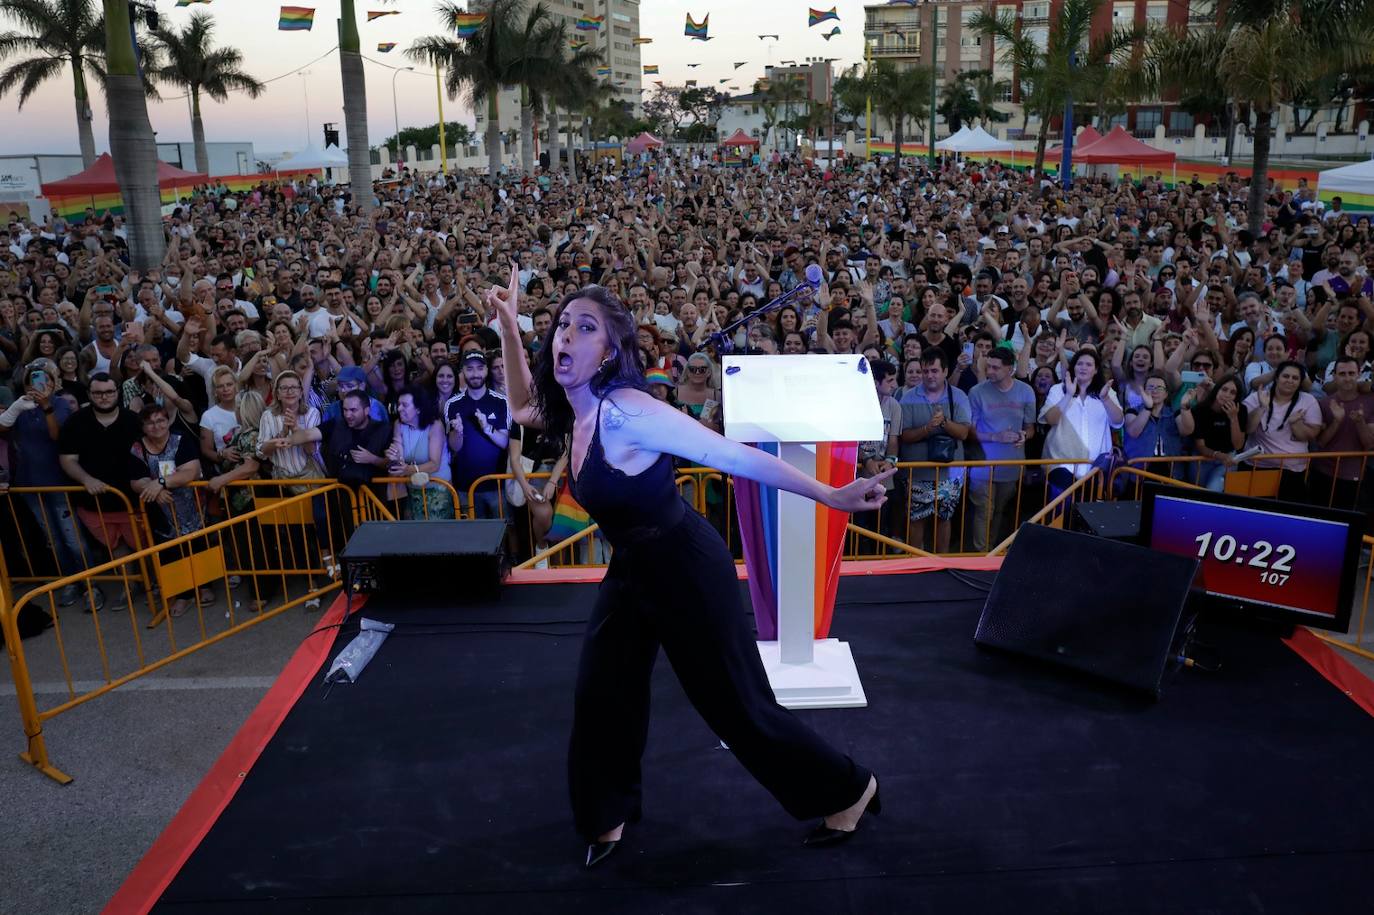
614	418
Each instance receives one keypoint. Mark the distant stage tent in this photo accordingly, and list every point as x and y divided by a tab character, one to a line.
739	138
977	141
950	142
97	188
642	142
1085	136
1354	184
1120	148
312	158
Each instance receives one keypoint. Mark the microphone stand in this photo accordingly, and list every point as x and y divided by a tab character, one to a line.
721	339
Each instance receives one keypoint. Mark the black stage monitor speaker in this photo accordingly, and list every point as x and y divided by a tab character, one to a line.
1102	607
1113	520
461	561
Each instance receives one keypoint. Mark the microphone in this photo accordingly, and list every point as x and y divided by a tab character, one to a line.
721	338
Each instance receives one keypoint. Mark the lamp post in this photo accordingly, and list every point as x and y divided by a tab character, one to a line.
396	112
934	77
305	89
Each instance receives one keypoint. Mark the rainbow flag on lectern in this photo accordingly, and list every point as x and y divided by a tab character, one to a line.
296	19
757	508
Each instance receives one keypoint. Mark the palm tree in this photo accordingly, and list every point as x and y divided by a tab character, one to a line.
355	107
189	61
1262	54
987	91
537	48
478	66
132	144
575	78
57	33
957	104
899	95
1072	63
851	94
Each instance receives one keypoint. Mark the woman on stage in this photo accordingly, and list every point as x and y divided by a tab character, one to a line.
588	386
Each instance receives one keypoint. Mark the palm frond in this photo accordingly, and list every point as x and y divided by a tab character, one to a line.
28	75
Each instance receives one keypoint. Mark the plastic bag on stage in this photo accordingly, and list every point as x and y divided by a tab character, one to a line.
349	664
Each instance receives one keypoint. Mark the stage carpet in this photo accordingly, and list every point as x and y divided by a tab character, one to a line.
436	783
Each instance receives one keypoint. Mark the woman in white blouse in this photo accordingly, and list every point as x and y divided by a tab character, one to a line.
1081	412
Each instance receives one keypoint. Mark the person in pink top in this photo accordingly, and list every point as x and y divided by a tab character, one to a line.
1283	419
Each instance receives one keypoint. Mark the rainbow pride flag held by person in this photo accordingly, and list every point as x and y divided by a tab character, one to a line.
696	29
385	46
296	19
651	69
378	14
468	24
757	508
589	23
815	17
568	516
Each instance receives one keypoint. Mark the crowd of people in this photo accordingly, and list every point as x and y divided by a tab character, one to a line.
287	336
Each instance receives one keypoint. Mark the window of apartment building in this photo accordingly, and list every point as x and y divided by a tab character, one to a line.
1123	12
1033	11
1147	119
1156	12
1180	121
1202	11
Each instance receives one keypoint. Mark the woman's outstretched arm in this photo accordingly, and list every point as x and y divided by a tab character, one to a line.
649	425
518	380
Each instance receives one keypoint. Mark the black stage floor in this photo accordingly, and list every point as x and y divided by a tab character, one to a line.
436	784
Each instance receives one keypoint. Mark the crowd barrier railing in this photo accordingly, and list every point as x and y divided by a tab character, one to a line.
92	653
1261	476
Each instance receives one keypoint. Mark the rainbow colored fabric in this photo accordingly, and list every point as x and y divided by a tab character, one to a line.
642	41
378	14
296	19
831	34
815	17
190	2
385	46
651	69
757	508
696	29
468	24
568	516
589	24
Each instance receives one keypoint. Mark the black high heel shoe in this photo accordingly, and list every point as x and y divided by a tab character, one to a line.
599	851
823	836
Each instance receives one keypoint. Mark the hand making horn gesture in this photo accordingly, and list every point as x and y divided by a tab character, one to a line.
505	299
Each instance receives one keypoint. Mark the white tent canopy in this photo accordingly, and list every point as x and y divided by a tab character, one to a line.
952	141
313	157
977	140
1354	184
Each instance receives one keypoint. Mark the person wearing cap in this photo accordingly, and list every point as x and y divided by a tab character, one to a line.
660	384
478	423
354	378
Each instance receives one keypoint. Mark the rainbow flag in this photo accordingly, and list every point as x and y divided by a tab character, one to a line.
832	33
577	41
693	66
468	24
740	63
643	41
296	19
378	14
569	517
589	24
696	29
723	81
385	46
603	71
815	17
651	69
189	2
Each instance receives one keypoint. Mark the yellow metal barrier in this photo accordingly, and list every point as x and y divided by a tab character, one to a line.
91	645
1089	486
1259	477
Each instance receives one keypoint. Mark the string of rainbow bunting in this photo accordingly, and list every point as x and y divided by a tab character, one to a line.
296	19
465	25
696	29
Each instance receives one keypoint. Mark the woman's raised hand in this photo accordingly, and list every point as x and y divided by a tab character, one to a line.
505	299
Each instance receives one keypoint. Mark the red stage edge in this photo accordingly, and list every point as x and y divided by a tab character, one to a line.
151	876
1328	662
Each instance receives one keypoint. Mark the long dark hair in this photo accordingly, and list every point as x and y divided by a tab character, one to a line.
1210	401
1095	388
426	411
1274	390
621	370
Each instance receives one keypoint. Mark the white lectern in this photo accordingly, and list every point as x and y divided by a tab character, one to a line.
798	401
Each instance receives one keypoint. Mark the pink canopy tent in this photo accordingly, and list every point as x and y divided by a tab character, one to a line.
642	142
739	138
1120	148
1085	136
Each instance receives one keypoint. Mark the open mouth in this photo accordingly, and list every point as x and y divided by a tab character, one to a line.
564	362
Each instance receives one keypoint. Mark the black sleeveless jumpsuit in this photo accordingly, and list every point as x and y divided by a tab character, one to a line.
672	582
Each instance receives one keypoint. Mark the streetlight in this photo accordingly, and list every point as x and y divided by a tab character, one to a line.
396	112
305	87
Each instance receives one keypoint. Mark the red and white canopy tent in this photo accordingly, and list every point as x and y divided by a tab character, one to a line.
740	138
96	188
1086	136
1120	148
642	142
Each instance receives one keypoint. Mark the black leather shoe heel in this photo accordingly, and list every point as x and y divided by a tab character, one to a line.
598	852
823	836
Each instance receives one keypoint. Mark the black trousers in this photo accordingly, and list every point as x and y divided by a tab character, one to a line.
680	591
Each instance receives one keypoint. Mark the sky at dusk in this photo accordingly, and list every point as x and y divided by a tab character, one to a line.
276	122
